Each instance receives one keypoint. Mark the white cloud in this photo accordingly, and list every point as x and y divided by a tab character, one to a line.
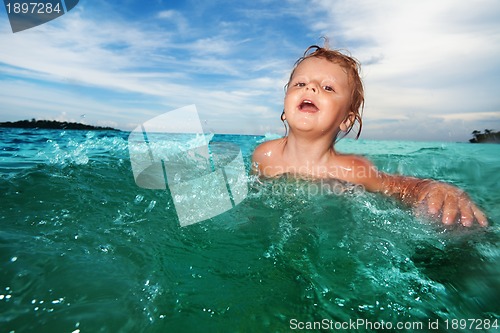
176	18
115	57
469	116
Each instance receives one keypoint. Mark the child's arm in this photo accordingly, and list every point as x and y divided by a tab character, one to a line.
433	196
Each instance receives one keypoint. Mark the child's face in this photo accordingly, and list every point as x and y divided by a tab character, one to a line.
318	97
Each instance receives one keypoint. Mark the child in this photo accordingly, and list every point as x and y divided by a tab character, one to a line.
324	97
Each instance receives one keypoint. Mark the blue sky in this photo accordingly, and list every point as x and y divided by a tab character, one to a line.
431	68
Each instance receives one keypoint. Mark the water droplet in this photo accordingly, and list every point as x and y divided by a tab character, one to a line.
138	198
150	207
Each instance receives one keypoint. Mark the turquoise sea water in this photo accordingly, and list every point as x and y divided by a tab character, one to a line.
84	249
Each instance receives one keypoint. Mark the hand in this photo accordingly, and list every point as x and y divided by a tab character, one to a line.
451	203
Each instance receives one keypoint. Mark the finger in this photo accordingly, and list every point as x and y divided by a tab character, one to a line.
480	217
466	212
450	208
435	202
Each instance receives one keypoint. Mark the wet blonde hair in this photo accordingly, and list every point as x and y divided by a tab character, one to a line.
352	68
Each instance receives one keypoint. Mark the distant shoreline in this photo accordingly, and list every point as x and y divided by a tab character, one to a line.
487	137
53	124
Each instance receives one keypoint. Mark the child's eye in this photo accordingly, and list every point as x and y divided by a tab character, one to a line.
328	88
300	84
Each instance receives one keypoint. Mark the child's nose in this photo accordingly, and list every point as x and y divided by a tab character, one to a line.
312	86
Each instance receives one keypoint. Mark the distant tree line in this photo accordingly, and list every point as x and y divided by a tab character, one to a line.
488	136
53	124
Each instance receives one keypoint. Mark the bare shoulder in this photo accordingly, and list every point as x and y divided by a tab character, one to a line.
354	161
359	170
266	158
265	151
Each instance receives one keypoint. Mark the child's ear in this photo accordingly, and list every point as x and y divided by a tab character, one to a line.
348	122
283	116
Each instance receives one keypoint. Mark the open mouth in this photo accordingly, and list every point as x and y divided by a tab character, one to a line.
308	106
